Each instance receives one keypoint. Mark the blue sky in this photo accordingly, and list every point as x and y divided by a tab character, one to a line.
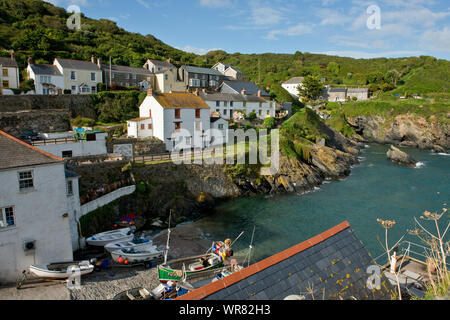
335	27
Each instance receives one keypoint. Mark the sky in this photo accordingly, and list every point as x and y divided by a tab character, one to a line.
351	28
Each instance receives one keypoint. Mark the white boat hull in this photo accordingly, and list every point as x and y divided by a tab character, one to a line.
102	239
44	272
140	256
114	246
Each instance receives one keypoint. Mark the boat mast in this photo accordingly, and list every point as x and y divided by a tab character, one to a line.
250	247
166	251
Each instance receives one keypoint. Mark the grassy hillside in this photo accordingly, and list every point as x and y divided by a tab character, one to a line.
38	29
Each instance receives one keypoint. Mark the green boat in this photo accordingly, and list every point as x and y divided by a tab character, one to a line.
173	270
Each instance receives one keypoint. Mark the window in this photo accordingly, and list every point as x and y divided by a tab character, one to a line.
7	217
45	91
128	76
177	114
225	112
245	104
67	154
166	76
142	126
5	84
150	126
217	103
69	187
231	104
85	89
73	75
177	126
5	72
225	103
203	83
93	76
197	113
220	126
45	79
134	77
74	89
26	180
194	82
198	126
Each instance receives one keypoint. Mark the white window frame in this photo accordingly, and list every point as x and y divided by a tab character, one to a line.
69	188
25	179
93	77
73	73
3	220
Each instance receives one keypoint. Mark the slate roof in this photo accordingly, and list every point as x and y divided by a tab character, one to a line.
16	153
251	88
192	69
45	69
163	64
70	174
180	100
230	97
334	261
126	69
78	64
294	80
357	90
8	62
338	90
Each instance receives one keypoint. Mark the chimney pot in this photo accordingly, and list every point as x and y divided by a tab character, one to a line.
13	55
29	60
150	92
93	59
259	93
99	62
243	92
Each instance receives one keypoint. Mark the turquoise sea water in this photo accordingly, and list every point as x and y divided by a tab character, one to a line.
377	188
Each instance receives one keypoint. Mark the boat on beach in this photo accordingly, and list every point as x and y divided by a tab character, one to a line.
61	270
143	254
135	243
102	239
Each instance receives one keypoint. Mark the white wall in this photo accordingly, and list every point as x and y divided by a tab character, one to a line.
74	210
58	81
79	149
250	107
38	216
12	78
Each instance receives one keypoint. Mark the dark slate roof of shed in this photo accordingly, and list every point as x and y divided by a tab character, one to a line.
16	153
334	261
251	88
338	90
193	69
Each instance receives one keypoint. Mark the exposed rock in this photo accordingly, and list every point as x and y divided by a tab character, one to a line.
400	157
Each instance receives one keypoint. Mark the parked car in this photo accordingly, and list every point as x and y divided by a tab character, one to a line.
29	135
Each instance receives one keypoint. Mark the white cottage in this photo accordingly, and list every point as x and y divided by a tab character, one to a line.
48	79
172	117
35	220
292	85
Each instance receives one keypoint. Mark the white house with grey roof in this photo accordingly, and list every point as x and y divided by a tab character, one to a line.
48	80
292	86
35	215
228	104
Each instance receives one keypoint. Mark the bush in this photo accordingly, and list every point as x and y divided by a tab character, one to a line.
269	123
251	116
80	122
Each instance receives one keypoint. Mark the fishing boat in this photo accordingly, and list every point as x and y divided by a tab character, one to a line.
168	291
102	239
135	243
61	270
143	254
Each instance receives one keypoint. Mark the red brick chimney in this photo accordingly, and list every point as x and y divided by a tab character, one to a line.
259	93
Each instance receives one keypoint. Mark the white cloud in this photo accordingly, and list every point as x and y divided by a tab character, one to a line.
297	30
199	51
438	40
143	3
266	16
215	3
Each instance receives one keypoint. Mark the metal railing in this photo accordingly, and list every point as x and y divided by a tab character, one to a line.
53	141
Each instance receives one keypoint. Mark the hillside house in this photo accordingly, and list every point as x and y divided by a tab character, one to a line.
200	78
230	72
33	231
292	86
245	88
227	104
123	76
48	79
174	118
80	77
9	72
336	94
360	94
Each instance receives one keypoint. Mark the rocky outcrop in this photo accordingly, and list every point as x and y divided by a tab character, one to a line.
400	157
406	130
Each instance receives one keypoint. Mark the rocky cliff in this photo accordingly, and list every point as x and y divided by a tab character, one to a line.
407	130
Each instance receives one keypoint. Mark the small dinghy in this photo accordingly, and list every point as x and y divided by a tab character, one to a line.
61	270
102	239
143	254
136	243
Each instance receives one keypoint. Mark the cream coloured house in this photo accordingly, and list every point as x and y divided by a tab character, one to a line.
9	73
81	77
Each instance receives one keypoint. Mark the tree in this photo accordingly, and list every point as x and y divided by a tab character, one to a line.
392	76
334	67
269	122
312	87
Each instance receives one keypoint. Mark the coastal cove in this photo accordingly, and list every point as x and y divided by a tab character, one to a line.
376	188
